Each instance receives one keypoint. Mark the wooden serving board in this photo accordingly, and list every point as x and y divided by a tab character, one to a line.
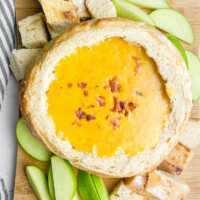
191	9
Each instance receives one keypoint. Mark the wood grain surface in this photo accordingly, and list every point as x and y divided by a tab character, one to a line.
191	9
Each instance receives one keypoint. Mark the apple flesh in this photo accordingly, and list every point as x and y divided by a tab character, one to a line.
50	183
194	70
179	46
64	179
38	182
30	144
151	4
173	22
132	12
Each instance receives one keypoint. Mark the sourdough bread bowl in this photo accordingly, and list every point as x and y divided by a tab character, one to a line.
93	143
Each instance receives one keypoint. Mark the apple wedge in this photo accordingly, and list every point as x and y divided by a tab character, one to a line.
50	183
76	196
132	12
38	182
91	187
173	22
64	179
30	144
151	4
194	70
179	46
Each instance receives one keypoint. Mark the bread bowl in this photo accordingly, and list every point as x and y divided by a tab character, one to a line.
168	94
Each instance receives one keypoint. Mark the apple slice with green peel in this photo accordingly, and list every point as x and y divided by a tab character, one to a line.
173	22
50	183
179	46
132	12
30	144
86	187
76	196
151	4
38	182
101	188
194	70
64	179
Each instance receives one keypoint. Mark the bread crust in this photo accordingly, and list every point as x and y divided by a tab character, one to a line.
170	64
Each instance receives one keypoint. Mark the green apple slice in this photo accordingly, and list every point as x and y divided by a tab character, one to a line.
179	46
86	187
76	196
50	183
101	188
132	12
151	4
64	179
38	182
30	144
173	22
194	70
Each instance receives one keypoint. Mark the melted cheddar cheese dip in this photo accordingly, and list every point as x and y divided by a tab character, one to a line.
108	97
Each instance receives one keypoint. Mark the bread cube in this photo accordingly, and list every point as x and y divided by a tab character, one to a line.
21	61
166	186
101	8
33	31
81	7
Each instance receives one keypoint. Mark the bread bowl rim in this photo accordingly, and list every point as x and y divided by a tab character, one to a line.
177	77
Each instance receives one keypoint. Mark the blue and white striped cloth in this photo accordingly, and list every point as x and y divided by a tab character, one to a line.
8	41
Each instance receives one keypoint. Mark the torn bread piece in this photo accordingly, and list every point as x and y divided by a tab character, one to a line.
177	160
33	31
60	14
166	186
191	136
137	183
121	192
21	61
82	9
101	8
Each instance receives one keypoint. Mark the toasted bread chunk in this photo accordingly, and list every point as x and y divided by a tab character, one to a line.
121	192
60	14
166	186
82	9
101	8
137	183
177	159
191	136
33	31
21	61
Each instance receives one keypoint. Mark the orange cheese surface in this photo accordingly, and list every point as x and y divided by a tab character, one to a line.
108	97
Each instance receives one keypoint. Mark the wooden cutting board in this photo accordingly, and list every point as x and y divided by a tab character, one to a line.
22	191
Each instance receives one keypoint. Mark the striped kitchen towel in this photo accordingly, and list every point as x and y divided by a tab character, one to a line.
8	41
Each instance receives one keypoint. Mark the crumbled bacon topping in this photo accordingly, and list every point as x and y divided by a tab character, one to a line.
115	124
75	123
107	117
90	106
137	60
69	85
86	93
101	101
82	85
80	114
131	106
114	86
90	117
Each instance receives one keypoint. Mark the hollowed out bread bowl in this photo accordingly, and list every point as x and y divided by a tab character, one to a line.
81	99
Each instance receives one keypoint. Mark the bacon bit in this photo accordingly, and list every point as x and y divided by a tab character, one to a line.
114	86
120	118
76	123
90	106
138	93
86	93
80	114
101	101
69	85
132	106
90	117
123	105
106	87
107	117
82	85
114	124
116	106
126	113
137	60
